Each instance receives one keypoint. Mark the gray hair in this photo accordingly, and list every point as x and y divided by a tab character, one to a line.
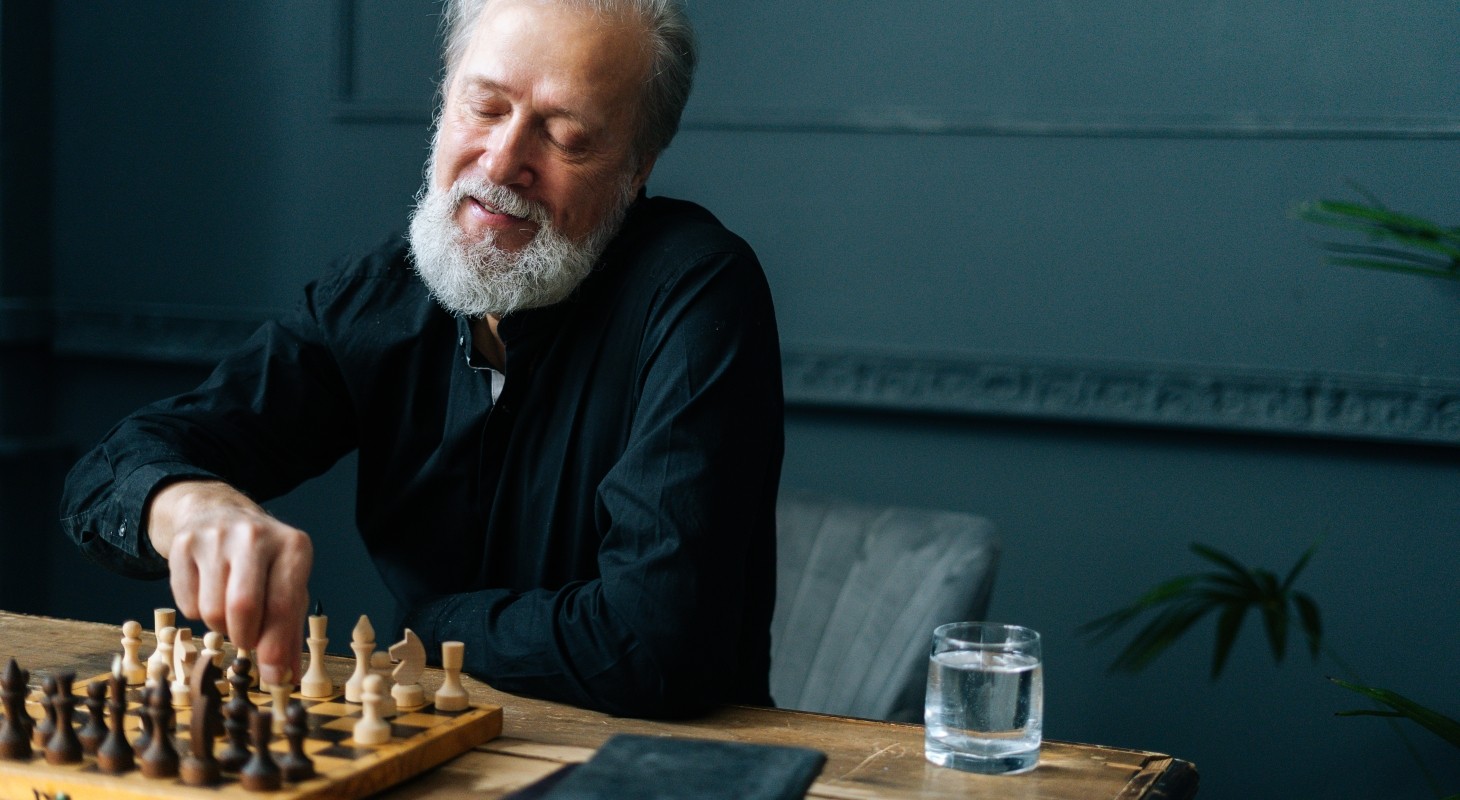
672	49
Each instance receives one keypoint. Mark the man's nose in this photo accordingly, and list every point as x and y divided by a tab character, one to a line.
507	159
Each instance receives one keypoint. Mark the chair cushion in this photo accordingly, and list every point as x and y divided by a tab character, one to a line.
859	590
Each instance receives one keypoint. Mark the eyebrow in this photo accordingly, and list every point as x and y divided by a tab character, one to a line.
481	83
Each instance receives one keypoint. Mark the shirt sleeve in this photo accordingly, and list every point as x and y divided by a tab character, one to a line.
270	415
683	513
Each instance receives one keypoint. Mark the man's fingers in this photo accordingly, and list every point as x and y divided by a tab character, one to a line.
246	591
287	596
183	576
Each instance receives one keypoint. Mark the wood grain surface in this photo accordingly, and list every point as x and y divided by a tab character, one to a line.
865	760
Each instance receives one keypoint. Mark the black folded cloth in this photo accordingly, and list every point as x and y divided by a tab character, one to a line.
664	768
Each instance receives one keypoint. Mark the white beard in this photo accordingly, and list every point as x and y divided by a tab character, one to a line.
473	279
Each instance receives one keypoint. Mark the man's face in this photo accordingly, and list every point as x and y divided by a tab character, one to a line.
543	103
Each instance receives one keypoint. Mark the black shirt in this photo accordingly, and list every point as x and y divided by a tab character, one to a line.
604	534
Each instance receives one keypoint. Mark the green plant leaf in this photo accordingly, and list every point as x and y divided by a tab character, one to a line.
1158	635
1275	617
1437	723
1298	567
1391	267
1341	213
1162	593
1228	625
1240	572
1368	712
1312	623
1394	254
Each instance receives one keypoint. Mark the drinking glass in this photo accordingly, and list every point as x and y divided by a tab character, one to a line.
984	710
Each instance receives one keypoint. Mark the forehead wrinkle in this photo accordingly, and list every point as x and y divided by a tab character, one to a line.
481	83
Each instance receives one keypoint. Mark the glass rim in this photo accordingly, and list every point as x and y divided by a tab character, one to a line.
1010	635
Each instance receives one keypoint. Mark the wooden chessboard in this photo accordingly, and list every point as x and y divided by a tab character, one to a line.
419	740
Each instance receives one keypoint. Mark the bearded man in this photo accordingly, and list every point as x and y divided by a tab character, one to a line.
565	396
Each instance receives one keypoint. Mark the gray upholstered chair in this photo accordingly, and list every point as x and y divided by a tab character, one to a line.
859	590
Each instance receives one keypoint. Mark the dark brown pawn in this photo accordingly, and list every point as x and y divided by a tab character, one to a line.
261	774
64	747
94	731
160	760
295	764
200	768
46	725
235	723
15	727
114	756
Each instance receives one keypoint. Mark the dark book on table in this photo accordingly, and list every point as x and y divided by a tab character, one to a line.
660	768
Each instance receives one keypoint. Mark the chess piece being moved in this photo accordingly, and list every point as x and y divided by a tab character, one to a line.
15	726
411	654
452	695
280	694
316	683
133	670
372	727
362	641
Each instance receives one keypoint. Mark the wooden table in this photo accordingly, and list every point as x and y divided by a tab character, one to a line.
865	760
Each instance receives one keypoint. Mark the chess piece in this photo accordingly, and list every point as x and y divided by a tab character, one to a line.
162	619
236	716
372	729
115	755
64	747
280	694
133	670
411	654
261	774
160	759
200	768
363	643
295	764
46	726
213	651
452	695
316	683
184	655
144	739
380	665
246	658
94	731
162	658
15	725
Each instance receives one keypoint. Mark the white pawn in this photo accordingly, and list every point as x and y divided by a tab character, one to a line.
381	665
161	618
280	693
452	695
213	651
133	670
362	641
162	657
316	683
372	729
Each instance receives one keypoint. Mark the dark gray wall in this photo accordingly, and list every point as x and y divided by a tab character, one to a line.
1031	260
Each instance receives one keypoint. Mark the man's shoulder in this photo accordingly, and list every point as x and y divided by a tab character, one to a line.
672	228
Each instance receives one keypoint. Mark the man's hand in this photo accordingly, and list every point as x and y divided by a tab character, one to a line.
236	568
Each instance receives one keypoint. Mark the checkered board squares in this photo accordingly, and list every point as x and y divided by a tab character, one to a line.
419	740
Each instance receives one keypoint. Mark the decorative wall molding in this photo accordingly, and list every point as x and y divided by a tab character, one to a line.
350	106
1394	409
929	122
1289	403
